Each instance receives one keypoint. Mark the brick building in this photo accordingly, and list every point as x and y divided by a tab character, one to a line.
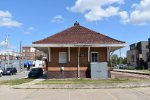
138	54
12	55
74	49
29	53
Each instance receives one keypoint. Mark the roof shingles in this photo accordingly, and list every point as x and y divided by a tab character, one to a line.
78	35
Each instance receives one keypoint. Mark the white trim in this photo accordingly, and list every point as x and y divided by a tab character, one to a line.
98	57
79	45
94	52
49	54
62	59
88	54
68	54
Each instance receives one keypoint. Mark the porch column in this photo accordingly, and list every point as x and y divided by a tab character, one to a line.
49	54
78	62
68	54
108	53
88	54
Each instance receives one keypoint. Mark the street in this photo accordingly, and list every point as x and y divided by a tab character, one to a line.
17	76
7	93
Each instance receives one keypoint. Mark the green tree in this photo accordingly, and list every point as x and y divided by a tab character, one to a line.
118	60
114	58
124	60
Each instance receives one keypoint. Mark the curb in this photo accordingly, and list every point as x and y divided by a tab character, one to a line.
82	86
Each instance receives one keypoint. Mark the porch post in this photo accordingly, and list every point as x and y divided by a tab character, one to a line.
49	54
108	53
78	62
68	54
88	54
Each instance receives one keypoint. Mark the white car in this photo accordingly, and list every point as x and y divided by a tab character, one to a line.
1	72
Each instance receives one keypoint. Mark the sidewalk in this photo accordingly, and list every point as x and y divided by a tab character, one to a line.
33	85
131	71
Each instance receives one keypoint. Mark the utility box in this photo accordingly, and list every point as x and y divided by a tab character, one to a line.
99	70
148	65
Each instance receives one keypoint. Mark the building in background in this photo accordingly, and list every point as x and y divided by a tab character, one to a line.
138	54
29	53
12	55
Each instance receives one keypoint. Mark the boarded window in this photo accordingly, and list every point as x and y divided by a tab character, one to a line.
62	57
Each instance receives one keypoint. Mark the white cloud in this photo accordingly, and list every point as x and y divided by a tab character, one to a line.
99	13
57	19
7	21
124	16
85	5
140	13
94	10
4	14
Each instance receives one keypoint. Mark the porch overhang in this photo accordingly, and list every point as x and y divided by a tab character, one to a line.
113	47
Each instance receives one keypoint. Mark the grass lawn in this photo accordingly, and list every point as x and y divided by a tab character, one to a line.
15	82
89	81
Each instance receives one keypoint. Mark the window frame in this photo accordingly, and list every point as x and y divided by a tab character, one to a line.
60	61
94	61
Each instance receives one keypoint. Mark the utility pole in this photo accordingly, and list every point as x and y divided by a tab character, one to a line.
149	44
7	47
120	57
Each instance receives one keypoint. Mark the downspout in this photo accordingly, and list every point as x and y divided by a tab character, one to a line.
78	62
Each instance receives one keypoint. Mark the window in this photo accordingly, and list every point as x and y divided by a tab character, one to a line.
132	58
24	50
94	57
147	46
62	57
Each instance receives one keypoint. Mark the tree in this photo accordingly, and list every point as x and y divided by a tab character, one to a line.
114	58
118	60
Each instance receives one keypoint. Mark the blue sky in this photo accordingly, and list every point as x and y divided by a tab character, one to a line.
31	20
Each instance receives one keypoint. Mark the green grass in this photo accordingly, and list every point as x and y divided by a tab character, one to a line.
89	81
15	82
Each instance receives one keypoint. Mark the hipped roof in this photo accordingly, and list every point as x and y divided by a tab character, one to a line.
78	35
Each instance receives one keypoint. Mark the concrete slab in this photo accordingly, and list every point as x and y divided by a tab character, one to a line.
7	93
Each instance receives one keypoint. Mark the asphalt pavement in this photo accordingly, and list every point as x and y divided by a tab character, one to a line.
17	76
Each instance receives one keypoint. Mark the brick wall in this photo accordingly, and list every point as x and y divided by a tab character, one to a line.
74	61
67	74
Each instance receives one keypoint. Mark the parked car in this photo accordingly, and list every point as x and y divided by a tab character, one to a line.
123	66
35	72
10	71
1	72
